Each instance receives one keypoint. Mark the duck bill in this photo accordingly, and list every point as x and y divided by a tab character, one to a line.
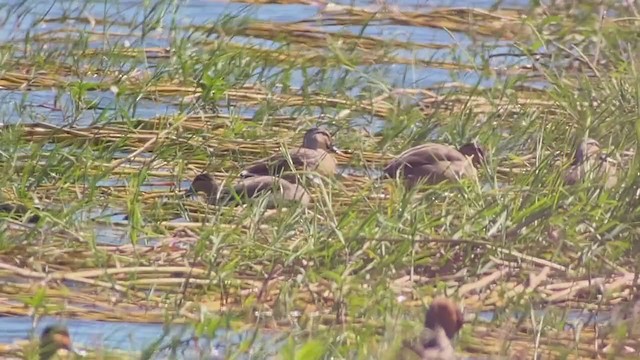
189	193
64	340
337	150
65	343
78	352
244	174
315	179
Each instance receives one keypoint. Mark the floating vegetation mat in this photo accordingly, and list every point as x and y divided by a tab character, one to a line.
108	111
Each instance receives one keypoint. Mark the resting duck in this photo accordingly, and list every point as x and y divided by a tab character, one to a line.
590	161
18	211
279	190
435	163
314	155
53	340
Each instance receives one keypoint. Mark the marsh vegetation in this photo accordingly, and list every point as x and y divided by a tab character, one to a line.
110	109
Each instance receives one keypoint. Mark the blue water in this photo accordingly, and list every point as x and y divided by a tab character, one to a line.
23	19
134	337
125	336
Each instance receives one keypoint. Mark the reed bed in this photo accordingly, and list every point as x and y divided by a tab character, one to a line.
111	118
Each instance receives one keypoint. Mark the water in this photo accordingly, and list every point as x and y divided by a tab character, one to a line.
19	19
573	317
135	337
115	335
46	105
152	184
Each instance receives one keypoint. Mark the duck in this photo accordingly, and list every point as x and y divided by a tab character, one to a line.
313	156
53	340
279	190
18	211
435	163
590	161
442	322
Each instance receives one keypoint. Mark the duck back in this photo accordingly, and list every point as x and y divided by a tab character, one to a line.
280	191
301	159
431	164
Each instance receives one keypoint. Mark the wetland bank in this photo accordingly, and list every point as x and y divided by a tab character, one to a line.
110	109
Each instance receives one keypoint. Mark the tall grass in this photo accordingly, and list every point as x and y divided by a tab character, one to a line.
101	101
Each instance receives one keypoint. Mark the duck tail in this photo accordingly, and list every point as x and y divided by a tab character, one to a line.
246	174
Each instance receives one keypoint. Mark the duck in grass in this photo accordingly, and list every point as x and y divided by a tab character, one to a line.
279	191
313	156
55	343
18	211
443	321
434	163
589	161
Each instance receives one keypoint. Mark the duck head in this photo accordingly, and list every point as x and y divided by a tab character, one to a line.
203	183
445	314
52	339
474	151
319	138
587	149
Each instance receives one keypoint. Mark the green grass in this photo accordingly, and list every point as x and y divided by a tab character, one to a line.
344	263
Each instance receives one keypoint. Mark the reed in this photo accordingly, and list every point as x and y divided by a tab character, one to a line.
111	116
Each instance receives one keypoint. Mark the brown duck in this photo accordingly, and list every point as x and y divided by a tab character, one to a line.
314	155
590	161
443	321
53	340
435	163
279	190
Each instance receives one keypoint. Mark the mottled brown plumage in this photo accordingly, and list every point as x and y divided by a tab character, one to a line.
589	162
279	190
314	155
435	163
443	321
